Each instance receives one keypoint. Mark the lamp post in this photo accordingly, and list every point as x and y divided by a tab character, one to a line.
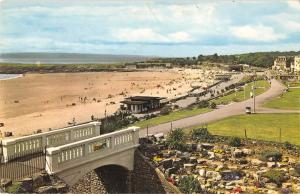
253	91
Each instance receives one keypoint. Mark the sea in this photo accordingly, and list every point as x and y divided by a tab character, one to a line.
9	76
67	58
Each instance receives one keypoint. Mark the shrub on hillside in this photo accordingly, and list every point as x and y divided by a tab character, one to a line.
176	139
235	142
270	154
275	176
201	134
213	105
288	145
165	110
189	184
203	104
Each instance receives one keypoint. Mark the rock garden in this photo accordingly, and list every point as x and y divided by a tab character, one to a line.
198	162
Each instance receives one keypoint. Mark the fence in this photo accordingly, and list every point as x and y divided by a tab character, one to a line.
22	165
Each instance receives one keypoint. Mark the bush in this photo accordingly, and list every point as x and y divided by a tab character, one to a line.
176	139
165	110
15	188
201	134
213	105
275	155
297	168
188	184
235	142
203	104
275	176
288	145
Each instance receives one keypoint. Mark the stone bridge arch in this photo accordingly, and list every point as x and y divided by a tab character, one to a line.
105	179
123	160
71	162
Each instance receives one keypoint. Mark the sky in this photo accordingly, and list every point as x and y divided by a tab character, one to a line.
155	28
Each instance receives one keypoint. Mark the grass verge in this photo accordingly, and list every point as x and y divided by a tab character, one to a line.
180	114
259	126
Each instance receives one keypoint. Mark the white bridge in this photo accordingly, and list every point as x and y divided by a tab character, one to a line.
74	151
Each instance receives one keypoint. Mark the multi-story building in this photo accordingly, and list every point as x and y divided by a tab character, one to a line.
280	63
296	65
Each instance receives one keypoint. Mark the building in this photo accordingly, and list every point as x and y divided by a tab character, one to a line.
296	65
140	104
280	63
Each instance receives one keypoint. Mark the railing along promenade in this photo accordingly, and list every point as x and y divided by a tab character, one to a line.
22	146
95	148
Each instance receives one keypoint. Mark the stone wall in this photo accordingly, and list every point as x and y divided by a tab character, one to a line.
146	178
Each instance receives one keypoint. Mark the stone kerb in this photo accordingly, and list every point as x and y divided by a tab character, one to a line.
21	146
78	153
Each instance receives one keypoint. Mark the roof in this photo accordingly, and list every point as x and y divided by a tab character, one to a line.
143	98
133	102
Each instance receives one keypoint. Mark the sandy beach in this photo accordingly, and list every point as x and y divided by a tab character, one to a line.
43	101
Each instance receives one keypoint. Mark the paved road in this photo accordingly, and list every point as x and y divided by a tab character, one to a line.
190	100
224	111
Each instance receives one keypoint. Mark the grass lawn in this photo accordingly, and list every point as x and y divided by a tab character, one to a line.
183	113
261	87
260	126
289	100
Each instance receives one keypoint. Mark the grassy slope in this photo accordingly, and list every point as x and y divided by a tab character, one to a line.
238	96
289	100
260	126
172	117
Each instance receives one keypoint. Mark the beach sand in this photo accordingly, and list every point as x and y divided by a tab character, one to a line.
43	101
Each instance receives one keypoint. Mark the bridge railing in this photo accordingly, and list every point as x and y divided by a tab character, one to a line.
77	153
21	146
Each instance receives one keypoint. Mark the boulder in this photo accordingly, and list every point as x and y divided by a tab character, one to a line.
229	187
27	184
271	186
257	162
167	163
247	151
230	175
213	174
170	171
211	155
61	188
202	172
271	164
5	183
237	153
193	160
40	179
46	189
188	166
177	162
207	146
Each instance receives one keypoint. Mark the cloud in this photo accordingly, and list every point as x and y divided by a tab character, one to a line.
150	35
294	4
259	33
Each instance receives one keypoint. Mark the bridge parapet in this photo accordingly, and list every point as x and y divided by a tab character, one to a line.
21	146
82	152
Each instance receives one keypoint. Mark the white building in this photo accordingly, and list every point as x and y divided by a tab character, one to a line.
296	65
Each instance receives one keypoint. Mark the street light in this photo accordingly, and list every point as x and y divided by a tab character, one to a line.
253	93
